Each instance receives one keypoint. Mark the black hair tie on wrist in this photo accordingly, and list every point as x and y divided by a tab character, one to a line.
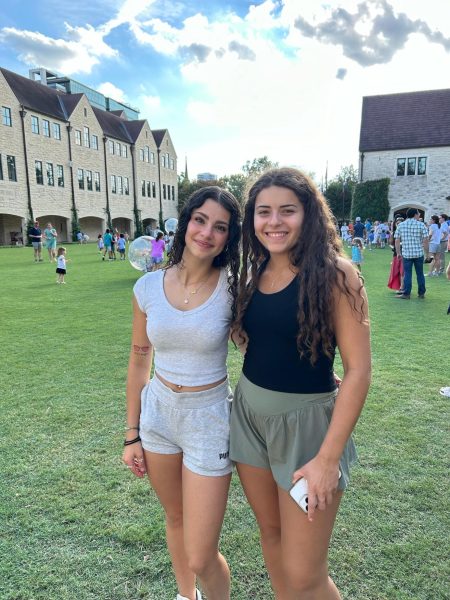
130	442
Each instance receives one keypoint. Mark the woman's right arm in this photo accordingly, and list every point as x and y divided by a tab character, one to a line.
138	376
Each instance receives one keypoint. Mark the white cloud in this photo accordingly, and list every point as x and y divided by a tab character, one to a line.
79	54
109	89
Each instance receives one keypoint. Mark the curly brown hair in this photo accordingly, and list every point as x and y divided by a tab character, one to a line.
315	257
230	255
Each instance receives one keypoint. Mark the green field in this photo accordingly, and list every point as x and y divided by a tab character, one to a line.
75	524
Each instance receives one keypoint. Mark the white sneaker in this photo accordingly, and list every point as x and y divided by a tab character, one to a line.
198	596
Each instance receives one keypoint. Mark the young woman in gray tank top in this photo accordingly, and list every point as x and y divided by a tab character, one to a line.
178	423
300	300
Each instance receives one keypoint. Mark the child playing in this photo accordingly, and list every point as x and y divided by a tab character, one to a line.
61	264
100	243
121	243
357	250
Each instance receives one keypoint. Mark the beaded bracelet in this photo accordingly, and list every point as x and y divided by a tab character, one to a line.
131	428
129	442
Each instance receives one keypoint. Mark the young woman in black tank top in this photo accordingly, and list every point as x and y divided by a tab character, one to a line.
299	299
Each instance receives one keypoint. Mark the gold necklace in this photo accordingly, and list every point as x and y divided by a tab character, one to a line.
280	277
193	292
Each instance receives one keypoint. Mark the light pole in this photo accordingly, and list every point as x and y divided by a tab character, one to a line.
344	183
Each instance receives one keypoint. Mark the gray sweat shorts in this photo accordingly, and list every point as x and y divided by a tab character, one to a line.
281	432
194	423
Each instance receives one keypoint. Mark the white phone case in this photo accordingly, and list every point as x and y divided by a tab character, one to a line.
299	493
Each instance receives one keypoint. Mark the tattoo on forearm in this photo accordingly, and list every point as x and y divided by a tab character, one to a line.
141	350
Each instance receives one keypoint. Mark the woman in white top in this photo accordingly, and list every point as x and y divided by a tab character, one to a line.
434	234
178	423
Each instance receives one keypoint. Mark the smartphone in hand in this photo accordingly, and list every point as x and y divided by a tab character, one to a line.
299	493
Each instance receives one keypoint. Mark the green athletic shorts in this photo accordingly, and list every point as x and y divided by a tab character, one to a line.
281	431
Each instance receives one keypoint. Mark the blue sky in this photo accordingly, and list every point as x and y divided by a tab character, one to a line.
236	80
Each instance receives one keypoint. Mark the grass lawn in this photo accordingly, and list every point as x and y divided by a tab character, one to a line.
74	523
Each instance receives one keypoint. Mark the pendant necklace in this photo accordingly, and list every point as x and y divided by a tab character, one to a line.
194	291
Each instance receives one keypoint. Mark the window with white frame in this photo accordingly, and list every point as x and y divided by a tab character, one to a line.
141	154
87	139
422	165
113	184
401	166
124	151
39	173
60	175
143	187
11	164
94	142
34	124
148	188
111	146
57	131
50	175
118	149
152	158
411	165
97	181
77	137
46	127
89	180
154	189
173	192
146	154
119	184
126	186
80	179
6	116
164	191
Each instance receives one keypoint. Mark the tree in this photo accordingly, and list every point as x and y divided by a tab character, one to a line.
339	192
371	200
235	184
258	166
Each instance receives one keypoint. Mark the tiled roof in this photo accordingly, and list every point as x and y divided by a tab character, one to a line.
70	102
112	126
35	96
134	128
400	121
159	134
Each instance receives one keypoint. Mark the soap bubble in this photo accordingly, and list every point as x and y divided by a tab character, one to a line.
171	224
140	253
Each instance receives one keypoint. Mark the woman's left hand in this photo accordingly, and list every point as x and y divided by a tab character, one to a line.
323	478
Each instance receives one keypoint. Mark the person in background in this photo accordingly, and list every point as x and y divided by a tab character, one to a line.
35	235
107	240
100	243
61	265
434	234
158	246
299	299
411	241
50	236
357	253
443	222
359	230
121	244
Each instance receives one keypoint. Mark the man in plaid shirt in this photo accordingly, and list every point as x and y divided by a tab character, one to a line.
411	238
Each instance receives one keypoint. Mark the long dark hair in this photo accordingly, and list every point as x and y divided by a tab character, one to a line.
230	256
315	256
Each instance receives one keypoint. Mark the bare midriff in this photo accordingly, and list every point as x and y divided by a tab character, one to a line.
176	387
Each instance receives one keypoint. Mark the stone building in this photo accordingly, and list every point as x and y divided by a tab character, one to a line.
406	137
64	160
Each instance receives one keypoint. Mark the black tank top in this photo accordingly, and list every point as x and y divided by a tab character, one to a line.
272	360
